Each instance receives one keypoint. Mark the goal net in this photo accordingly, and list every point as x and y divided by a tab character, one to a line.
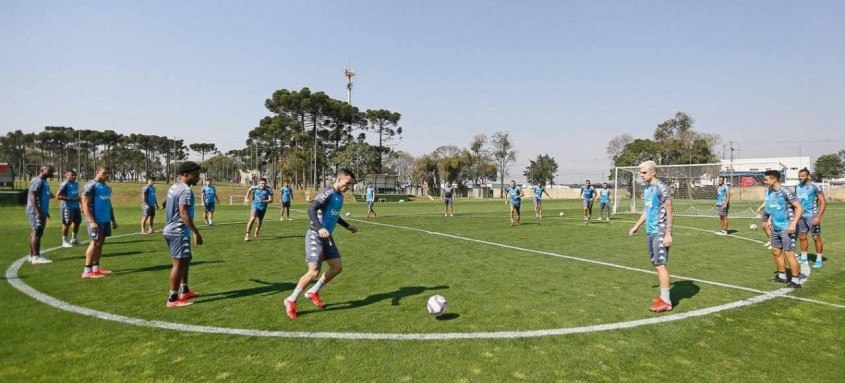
694	188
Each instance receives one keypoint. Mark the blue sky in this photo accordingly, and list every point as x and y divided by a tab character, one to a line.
563	77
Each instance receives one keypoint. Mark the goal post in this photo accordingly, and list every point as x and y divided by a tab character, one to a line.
694	188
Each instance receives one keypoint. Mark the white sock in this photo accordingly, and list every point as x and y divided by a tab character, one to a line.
664	295
316	288
74	236
819	257
295	294
803	255
64	238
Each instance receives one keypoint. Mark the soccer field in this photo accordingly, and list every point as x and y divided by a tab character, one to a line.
549	300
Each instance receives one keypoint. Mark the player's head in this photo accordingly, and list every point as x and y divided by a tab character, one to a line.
604	185
345	179
47	171
721	181
70	175
103	173
189	172
262	182
287	182
151	180
648	170
771	178
513	183
587	182
208	181
804	175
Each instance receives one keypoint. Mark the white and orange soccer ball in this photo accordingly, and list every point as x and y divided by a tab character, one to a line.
753	227
561	214
437	305
348	214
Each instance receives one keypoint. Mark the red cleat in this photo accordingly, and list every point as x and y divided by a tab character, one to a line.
92	275
660	306
290	309
315	298
178	303
190	294
246	237
257	233
103	271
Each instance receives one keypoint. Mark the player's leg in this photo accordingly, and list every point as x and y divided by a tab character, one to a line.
260	220
517	207
659	257
65	227
152	220
104	231
143	219
817	240
76	220
331	255
249	224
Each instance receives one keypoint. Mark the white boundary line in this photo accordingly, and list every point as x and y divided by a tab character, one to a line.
12	278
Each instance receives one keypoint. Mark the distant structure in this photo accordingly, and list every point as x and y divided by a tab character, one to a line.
349	74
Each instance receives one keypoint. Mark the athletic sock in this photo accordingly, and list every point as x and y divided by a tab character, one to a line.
172	297
819	257
74	237
95	267
88	269
796	279
64	238
184	288
316	288
782	275
664	295
295	294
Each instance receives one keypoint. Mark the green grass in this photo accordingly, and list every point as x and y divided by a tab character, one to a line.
388	275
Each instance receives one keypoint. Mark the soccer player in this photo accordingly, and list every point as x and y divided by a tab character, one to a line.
209	201
370	198
514	200
723	204
68	194
658	218
785	211
287	198
538	200
448	200
588	195
38	210
99	217
149	205
604	201
814	204
177	231
261	196
324	213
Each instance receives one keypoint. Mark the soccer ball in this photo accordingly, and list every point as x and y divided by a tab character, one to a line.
561	214
753	227
348	214
437	305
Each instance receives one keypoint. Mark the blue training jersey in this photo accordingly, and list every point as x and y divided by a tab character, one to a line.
99	200
538	192
721	193
149	193
326	209
41	188
371	194
69	189
604	195
779	206
259	195
513	195
180	194
287	194
588	192
808	195
209	194
655	196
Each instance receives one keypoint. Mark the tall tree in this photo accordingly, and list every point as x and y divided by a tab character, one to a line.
203	149
541	170
828	166
504	154
681	144
386	124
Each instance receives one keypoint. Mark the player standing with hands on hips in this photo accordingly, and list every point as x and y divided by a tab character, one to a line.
657	216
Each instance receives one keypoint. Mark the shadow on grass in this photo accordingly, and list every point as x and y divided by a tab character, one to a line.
682	290
104	255
447	316
394	296
274	237
159	267
265	288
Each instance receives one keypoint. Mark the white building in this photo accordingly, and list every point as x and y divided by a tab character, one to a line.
790	164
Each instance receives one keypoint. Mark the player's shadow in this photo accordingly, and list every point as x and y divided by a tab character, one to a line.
394	296
159	267
815	257
105	255
682	290
264	288
279	237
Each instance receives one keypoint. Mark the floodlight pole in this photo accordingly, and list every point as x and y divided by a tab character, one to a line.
349	73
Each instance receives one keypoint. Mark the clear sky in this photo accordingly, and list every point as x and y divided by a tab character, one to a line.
563	77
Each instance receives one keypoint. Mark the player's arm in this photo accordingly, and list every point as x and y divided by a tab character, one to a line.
822	206
727	197
761	207
216	198
269	197
186	218
799	211
547	193
346	225
87	194
581	193
637	224
595	195
61	195
113	220
319	203
670	220
35	201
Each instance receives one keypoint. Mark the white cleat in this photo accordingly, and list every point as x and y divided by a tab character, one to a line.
40	260
66	244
